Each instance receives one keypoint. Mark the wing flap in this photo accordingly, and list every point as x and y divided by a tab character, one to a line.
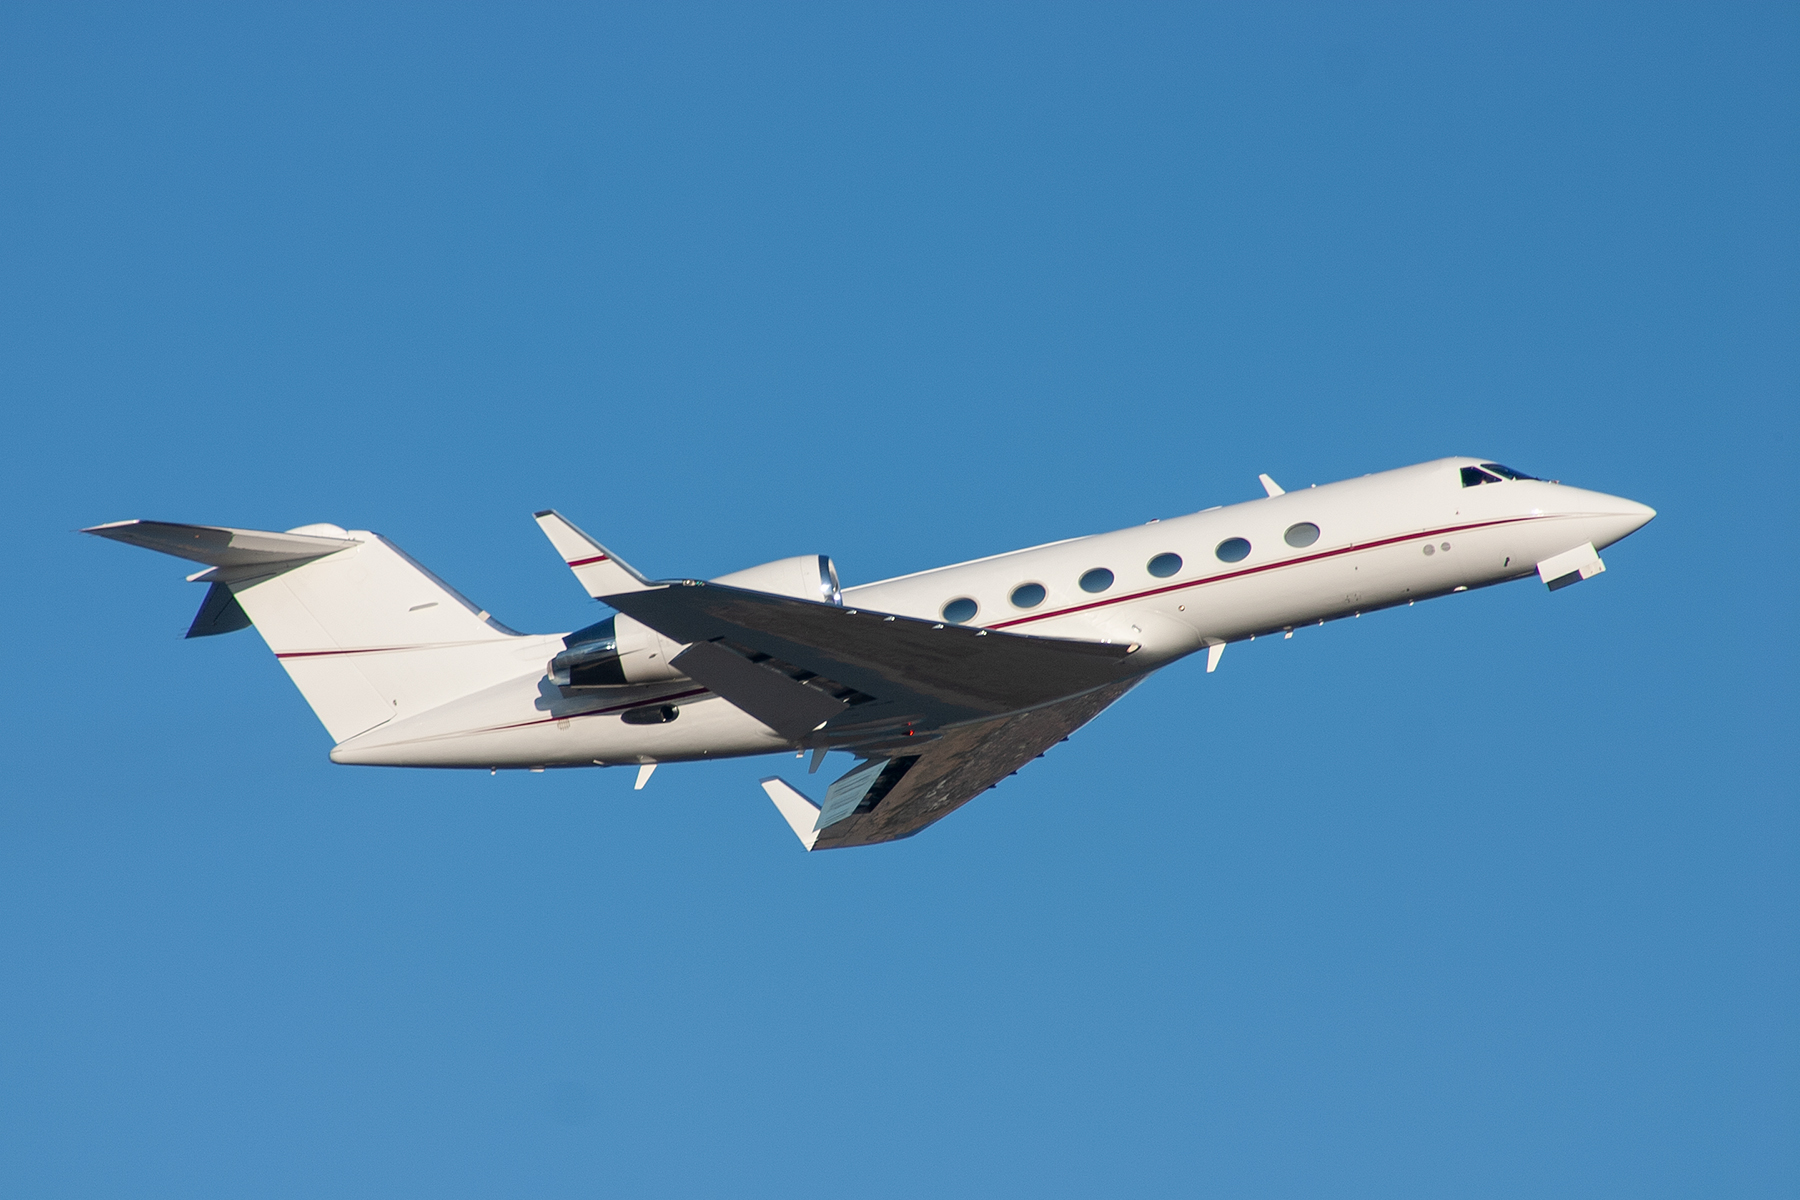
785	705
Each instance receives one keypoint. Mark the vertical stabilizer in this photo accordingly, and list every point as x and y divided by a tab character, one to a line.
368	634
365	633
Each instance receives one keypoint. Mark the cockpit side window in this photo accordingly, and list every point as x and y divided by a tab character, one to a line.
1475	477
1503	472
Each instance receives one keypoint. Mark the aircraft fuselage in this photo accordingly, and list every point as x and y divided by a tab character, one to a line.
1169	588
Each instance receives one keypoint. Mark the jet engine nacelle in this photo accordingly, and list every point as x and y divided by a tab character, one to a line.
806	576
616	652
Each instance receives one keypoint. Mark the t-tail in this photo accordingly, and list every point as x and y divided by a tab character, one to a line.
366	634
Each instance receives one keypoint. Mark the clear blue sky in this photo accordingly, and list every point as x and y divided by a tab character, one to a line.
1492	897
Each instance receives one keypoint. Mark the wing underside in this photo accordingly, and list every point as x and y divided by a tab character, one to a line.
949	771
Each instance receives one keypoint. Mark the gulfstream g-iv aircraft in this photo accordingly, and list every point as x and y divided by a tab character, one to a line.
942	683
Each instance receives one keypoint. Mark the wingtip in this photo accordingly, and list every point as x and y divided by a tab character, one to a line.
795	807
542	513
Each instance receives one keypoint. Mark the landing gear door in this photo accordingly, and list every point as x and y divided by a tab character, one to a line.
1571	566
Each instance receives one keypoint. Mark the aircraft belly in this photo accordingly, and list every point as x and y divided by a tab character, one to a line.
509	727
1161	636
704	730
1240	607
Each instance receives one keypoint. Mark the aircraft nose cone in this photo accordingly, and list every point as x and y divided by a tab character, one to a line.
1615	517
1639	515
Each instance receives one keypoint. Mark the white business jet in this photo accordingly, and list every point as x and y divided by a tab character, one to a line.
942	683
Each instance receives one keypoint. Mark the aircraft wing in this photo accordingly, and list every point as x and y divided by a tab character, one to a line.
945	774
886	671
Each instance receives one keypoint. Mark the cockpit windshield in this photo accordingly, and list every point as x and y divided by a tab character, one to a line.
1490	473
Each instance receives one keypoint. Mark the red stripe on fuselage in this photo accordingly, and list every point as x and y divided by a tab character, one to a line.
379	649
1287	562
330	653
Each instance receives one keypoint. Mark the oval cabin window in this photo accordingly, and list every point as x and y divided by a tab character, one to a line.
1302	535
960	610
1164	565
1233	550
1028	595
1097	580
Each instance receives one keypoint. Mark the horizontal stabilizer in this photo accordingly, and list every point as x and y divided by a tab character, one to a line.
799	812
220	546
596	568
